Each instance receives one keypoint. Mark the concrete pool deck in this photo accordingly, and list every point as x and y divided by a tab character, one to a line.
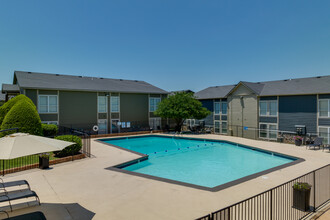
84	189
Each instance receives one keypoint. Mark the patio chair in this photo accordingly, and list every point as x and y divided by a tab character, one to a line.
5	185
27	216
18	194
317	143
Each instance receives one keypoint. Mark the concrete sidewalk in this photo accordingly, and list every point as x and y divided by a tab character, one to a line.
84	189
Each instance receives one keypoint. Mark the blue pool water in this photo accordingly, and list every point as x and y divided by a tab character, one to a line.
196	161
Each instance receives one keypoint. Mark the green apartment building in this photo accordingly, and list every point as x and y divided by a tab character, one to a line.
82	102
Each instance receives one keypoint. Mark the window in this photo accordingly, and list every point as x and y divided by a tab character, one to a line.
102	104
267	131
114	102
47	104
155	123
220	107
103	126
224	127
217	127
224	108
324	108
153	104
217	108
325	133
268	108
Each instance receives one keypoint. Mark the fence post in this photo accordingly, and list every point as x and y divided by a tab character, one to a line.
314	186
271	204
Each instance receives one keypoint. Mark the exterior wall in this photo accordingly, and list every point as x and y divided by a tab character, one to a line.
33	95
78	109
243	112
298	110
134	107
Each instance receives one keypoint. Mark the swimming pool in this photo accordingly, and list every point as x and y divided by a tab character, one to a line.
207	164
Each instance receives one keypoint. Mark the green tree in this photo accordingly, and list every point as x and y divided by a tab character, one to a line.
5	108
181	106
22	115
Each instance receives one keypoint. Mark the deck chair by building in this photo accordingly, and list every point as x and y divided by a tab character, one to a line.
317	143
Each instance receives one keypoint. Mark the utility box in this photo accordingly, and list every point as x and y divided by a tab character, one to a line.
301	129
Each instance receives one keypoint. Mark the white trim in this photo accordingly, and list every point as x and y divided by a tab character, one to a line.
48	105
318	108
106	103
326	127
111	110
267	130
267	108
155	106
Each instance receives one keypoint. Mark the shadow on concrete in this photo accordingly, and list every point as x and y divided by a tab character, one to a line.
51	211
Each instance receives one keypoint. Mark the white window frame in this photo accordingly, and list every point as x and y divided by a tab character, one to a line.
48	112
221	107
268	138
328	128
154	107
221	127
318	112
217	121
112	111
106	104
50	122
268	108
217	103
155	120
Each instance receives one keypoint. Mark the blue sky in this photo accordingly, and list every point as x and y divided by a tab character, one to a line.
171	44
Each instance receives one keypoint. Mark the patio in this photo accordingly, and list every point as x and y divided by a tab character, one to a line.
85	189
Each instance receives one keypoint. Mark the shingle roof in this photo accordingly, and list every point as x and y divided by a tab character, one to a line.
82	83
300	86
214	92
10	88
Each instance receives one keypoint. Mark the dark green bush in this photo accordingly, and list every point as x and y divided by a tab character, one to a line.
22	115
70	150
5	108
49	130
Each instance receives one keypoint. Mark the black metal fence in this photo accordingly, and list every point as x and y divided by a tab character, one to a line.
32	161
83	134
117	126
280	202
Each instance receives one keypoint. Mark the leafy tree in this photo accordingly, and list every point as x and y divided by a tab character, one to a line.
181	106
5	108
22	115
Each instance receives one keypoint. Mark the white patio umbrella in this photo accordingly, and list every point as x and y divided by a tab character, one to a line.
21	144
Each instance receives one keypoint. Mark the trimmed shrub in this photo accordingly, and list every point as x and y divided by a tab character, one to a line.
22	115
49	130
5	108
70	150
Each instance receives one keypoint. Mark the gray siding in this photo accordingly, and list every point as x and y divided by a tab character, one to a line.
268	98
324	122
268	119
298	110
324	96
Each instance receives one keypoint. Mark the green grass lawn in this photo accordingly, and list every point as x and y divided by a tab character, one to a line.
22	161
